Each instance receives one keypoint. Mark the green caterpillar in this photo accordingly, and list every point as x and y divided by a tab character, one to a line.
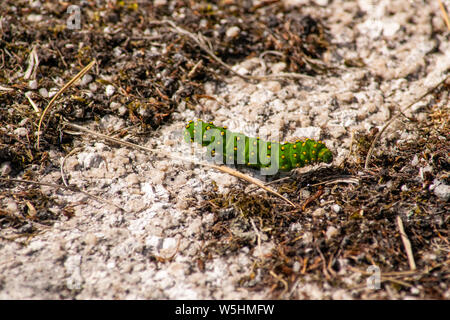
236	148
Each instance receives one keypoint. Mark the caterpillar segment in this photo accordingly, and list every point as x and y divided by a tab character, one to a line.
236	148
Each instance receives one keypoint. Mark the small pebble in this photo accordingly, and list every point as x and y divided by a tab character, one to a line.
52	92
5	168
296	266
232	32
109	90
34	17
11	206
331	232
43	92
32	84
86	79
318	212
132	179
93	86
336	208
442	191
21	132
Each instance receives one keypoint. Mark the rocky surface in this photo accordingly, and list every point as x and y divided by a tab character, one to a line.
398	50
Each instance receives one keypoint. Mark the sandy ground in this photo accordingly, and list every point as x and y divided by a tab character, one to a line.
149	249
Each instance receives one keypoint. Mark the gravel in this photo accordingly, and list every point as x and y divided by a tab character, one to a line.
150	250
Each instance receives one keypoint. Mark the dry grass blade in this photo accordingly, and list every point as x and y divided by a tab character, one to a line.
271	182
251	180
444	14
406	244
169	155
343	179
377	137
284	282
64	88
35	107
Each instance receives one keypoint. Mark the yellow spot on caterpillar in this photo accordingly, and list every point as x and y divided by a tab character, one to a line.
306	161
304	153
225	127
238	138
257	138
303	144
208	127
222	133
314	152
211	122
297	165
190	121
269	147
218	142
282	148
268	156
192	140
315	146
283	167
295	155
235	148
187	126
294	146
194	131
282	156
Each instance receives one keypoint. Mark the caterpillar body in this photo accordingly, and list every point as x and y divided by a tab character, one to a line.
229	147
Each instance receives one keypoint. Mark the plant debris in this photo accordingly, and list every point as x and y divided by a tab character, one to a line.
346	227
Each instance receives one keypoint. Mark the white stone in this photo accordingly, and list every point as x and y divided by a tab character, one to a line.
331	232
319	212
5	168
21	132
86	79
109	90
32	84
308	132
43	92
336	208
233	32
35	17
441	190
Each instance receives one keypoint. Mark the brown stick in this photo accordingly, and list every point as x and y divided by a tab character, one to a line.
406	244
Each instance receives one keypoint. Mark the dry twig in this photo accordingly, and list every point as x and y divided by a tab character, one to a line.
444	14
406	244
